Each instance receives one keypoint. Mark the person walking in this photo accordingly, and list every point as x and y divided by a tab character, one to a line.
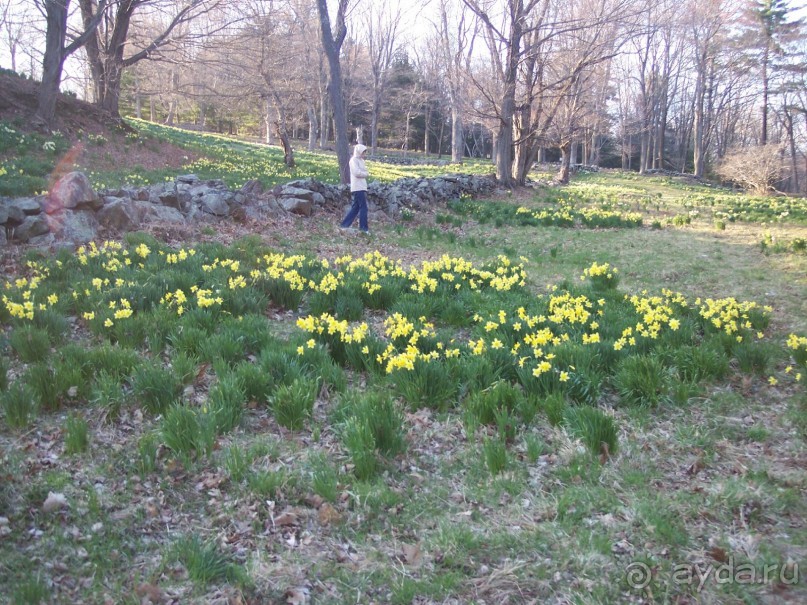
358	187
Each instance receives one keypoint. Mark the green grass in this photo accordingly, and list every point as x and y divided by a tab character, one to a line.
231	449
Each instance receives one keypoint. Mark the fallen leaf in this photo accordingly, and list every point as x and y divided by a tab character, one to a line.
314	501
54	502
412	554
604	452
328	515
200	375
696	467
297	596
285	519
718	554
149	593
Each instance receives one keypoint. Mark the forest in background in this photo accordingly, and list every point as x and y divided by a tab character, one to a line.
712	88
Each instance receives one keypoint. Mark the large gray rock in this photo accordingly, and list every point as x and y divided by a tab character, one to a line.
28	205
119	214
252	187
163	214
297	206
215	203
298	192
142	194
3	238
13	215
78	226
30	227
73	190
3	212
46	241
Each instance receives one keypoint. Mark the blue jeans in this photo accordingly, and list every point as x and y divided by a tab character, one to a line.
359	207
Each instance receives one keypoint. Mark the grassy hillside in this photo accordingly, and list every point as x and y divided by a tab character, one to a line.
589	394
152	153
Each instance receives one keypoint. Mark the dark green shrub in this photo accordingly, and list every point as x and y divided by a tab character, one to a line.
554	406
593	427
30	344
753	357
187	433
430	384
205	563
19	405
360	444
494	453
486	404
642	380
225	403
293	403
155	388
384	419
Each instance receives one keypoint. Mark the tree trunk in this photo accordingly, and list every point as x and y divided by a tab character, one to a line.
332	44
267	120
794	174
172	111
699	151
426	119
457	138
288	152
56	16
323	120
661	138
565	157
374	123
765	92
440	139
312	128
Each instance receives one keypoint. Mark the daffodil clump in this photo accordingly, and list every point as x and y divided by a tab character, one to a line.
733	317
798	350
598	217
449	275
602	276
347	344
558	217
566	215
379	277
569	340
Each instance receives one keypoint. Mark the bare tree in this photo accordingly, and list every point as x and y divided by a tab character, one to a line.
381	27
55	13
13	19
106	50
332	40
456	37
706	25
505	38
754	168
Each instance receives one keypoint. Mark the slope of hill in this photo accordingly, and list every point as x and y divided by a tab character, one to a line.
92	142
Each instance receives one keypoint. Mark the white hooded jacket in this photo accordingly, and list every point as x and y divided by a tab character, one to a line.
358	170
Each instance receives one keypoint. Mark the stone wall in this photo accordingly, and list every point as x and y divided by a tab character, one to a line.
73	212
